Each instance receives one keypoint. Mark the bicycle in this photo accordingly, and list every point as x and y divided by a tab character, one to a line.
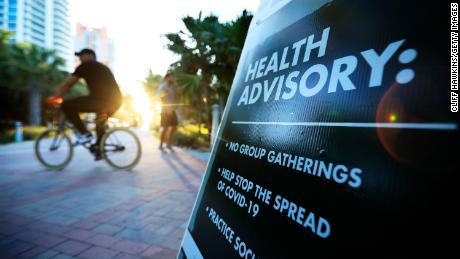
119	146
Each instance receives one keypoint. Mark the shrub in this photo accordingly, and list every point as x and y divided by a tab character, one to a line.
188	136
28	133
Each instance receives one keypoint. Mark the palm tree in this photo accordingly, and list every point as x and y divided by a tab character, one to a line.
228	47
5	51
151	83
209	52
34	69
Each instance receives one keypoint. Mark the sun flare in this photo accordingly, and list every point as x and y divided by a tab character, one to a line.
141	104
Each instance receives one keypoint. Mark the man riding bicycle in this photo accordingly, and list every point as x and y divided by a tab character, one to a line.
104	97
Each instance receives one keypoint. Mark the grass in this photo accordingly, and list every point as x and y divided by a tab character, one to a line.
28	133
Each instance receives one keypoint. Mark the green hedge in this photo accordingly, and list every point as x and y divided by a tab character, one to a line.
188	136
28	133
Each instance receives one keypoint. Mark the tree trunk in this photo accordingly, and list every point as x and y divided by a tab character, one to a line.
34	104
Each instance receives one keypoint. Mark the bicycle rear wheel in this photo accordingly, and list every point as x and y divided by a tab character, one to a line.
121	148
53	149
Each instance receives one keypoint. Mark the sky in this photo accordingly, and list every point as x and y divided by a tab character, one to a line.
137	26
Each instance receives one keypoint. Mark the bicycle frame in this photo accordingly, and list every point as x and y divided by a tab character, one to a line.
107	144
62	125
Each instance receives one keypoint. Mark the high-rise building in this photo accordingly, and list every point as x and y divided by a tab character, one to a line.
41	22
96	39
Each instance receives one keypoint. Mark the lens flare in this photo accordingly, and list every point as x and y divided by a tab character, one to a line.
392	118
142	105
158	106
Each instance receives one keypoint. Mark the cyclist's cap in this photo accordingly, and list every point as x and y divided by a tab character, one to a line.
85	51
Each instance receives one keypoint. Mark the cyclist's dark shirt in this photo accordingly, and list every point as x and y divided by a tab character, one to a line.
100	80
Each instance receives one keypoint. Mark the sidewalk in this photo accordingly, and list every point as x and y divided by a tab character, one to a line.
90	211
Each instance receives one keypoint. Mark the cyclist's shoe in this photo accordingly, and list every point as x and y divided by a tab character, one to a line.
98	156
84	138
94	148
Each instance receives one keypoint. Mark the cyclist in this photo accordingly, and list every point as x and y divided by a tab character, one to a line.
104	97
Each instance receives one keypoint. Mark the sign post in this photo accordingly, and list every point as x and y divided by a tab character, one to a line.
337	139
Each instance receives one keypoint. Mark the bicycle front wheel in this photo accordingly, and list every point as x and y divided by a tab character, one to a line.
53	149
121	148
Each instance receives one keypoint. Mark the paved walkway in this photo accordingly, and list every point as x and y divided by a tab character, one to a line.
91	211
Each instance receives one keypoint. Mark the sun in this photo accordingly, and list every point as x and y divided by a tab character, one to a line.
141	104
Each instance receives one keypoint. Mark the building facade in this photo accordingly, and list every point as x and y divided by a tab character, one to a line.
41	22
96	39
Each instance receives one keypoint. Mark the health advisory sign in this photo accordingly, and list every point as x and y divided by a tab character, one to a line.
337	138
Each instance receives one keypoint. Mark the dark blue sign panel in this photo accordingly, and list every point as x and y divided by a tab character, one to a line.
337	139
